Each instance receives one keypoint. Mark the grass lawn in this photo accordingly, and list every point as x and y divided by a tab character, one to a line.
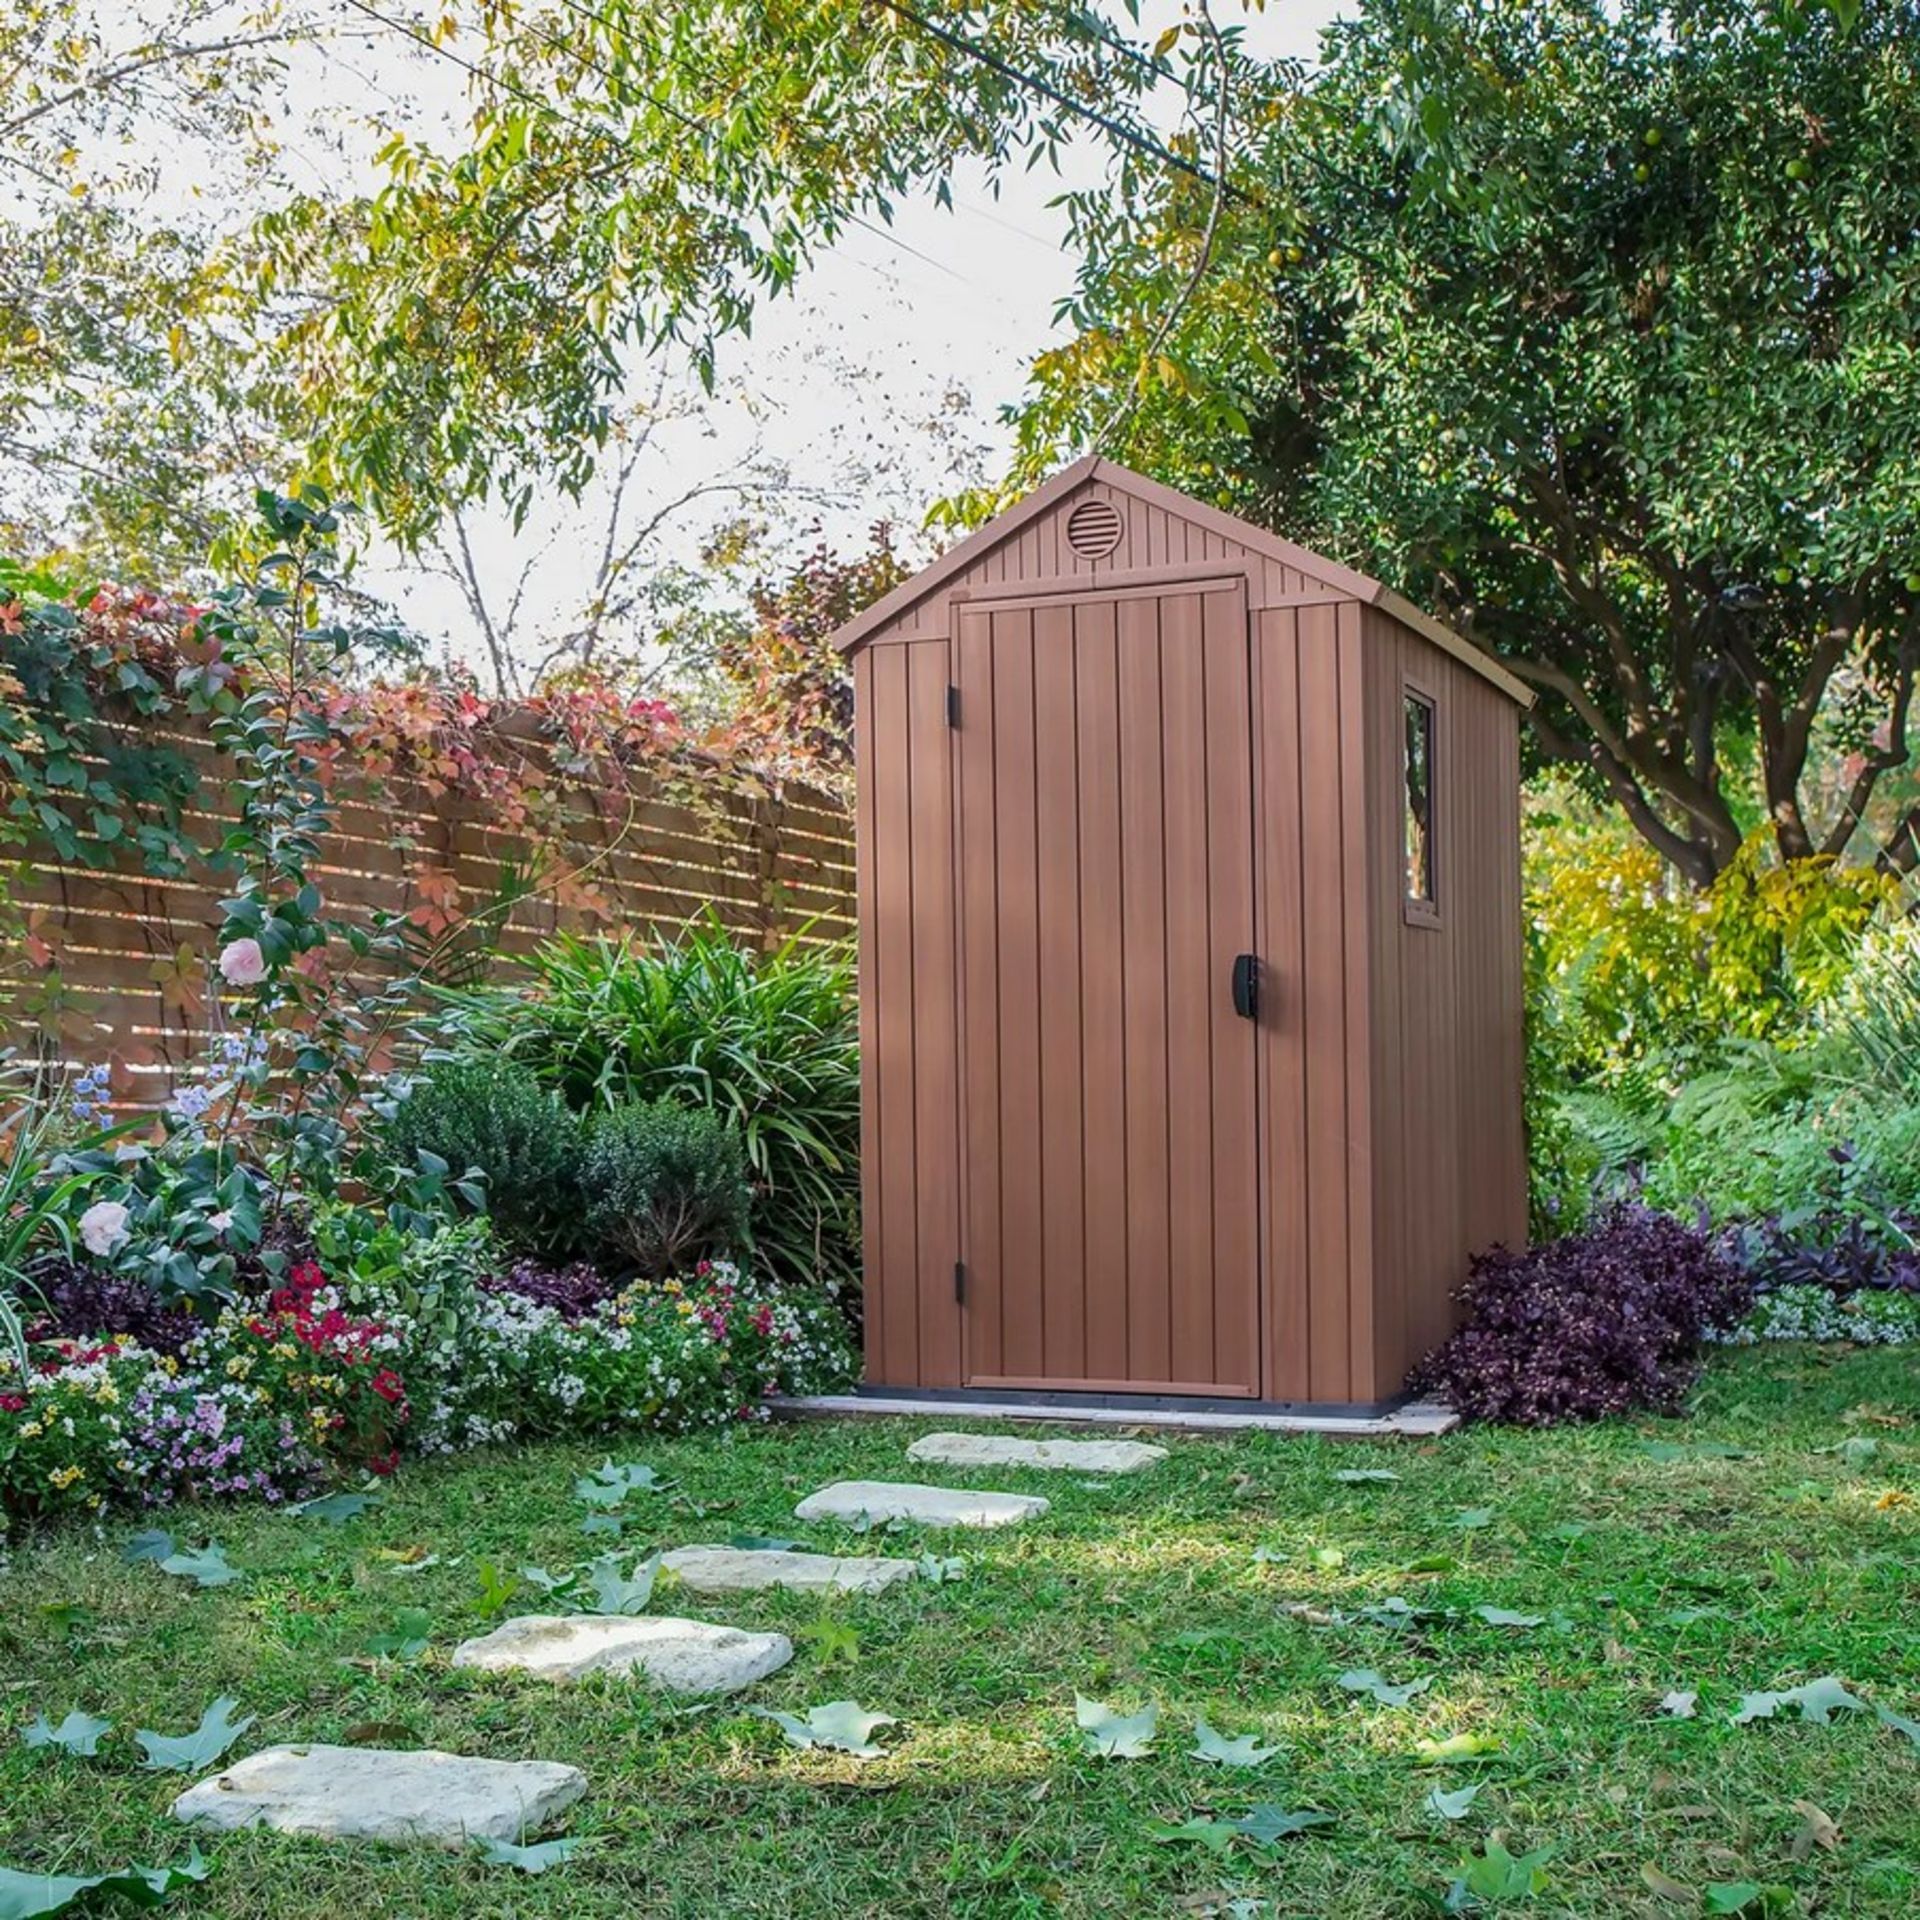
1713	1571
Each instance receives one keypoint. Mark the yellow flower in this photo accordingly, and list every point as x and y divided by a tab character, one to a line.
108	1394
64	1477
239	1366
32	1430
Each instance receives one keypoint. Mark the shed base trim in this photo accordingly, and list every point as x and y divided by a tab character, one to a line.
1408	1419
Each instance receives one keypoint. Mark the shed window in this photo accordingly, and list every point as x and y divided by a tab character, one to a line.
1419	808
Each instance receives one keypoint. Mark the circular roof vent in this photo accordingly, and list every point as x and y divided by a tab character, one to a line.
1093	529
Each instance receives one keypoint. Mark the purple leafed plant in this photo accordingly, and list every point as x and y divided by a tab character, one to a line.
1604	1322
86	1303
571	1291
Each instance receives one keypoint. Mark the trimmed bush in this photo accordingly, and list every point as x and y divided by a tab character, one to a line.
493	1117
666	1186
769	1041
1603	1322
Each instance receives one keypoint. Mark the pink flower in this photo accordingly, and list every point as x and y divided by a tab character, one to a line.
242	964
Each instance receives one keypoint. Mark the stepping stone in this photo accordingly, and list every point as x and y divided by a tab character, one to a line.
683	1656
367	1793
883	1500
747	1569
1001	1450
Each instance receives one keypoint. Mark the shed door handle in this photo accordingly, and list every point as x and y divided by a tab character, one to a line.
1246	985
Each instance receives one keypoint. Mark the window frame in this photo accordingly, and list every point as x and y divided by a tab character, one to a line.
1416	911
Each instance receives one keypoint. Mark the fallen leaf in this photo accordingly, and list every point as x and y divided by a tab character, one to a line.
1817	1828
1365	1680
1899	1723
34	1896
205	1568
1472	1519
1818	1701
534	1859
154	1544
334	1508
1264	1826
1454	1805
1495	1873
1748	1897
1504	1617
612	1486
1680	1705
1456	1746
1668	1888
1243	1751
1365	1476
1115	1736
843	1725
78	1734
189	1752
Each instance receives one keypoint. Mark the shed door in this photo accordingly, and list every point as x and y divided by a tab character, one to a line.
1105	879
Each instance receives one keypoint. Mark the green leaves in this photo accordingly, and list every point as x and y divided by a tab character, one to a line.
843	1726
1505	1617
35	1896
1264	1827
498	1585
154	1544
1496	1875
609	1486
1452	1806
1818	1701
615	1592
1114	1736
407	1639
1749	1897
335	1508
190	1752
532	1859
78	1734
205	1567
1243	1751
1365	1680
1365	1476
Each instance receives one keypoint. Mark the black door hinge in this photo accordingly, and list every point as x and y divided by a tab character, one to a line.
953	706
960	1281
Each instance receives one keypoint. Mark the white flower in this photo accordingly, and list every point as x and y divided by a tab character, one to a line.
220	1221
103	1226
242	964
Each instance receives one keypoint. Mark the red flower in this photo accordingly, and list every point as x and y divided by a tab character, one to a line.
12	1403
386	1383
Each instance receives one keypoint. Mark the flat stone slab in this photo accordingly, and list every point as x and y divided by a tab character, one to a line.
883	1500
683	1656
1419	1421
1003	1450
369	1793
748	1569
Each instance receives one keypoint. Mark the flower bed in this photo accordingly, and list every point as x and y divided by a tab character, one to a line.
323	1381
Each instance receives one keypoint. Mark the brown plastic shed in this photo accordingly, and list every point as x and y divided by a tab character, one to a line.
1190	961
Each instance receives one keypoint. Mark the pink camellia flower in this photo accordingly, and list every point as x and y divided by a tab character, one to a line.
103	1226
242	964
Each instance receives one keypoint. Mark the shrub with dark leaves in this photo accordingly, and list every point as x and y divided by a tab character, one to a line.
571	1291
81	1302
1844	1253
1604	1322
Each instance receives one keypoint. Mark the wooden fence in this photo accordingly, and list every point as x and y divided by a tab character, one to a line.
116	962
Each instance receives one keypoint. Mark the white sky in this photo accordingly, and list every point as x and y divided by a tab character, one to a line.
838	381
960	306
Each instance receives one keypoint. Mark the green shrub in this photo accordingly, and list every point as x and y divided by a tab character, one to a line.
768	1040
493	1117
666	1186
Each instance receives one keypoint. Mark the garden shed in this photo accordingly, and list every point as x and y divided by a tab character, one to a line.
1190	961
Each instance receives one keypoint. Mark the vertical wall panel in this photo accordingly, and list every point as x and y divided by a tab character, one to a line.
1057	864
887	966
1103	965
875	1291
1017	922
936	1090
980	1004
1186	757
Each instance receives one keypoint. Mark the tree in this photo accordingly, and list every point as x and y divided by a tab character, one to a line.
1594	326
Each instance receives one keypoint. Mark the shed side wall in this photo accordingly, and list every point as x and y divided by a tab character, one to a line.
1446	1002
1317	1222
909	1057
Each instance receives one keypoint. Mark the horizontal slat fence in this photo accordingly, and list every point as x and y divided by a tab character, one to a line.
127	977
